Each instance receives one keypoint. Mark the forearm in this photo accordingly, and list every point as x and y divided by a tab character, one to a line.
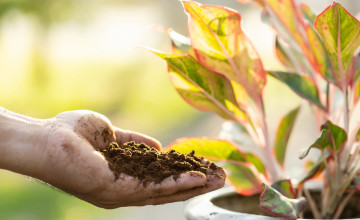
20	138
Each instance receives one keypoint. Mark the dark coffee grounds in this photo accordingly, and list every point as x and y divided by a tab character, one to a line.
150	165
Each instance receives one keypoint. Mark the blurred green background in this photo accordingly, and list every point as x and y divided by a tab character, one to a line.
60	55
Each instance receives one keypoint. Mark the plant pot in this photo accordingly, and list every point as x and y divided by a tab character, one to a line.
226	204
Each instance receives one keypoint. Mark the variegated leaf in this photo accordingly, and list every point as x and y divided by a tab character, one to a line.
340	32
202	88
221	46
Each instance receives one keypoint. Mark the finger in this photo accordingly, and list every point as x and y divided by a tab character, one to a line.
185	192
213	168
213	182
218	171
183	182
123	136
136	190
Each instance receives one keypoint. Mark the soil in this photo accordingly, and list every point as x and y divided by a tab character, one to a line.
150	165
250	205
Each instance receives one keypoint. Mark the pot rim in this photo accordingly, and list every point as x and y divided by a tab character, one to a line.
201	208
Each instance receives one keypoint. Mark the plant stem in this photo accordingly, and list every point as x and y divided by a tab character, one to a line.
342	205
313	207
269	156
328	107
351	165
324	197
337	167
346	111
335	198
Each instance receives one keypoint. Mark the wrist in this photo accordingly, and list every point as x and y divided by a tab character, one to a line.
20	143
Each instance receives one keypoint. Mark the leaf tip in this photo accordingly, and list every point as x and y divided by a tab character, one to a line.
187	4
304	152
157	52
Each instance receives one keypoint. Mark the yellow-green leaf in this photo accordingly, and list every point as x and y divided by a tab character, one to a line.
357	92
211	148
256	161
340	33
321	58
291	19
202	88
243	179
241	167
221	46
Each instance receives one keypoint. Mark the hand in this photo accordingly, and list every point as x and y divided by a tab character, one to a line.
71	163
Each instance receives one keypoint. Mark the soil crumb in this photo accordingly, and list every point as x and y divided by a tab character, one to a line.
149	164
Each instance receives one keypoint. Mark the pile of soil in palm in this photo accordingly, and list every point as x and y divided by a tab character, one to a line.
149	164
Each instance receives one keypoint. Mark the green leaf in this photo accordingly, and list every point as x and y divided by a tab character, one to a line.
289	17
357	182
321	143
289	54
283	134
285	188
321	58
243	179
357	91
202	88
241	95
316	168
221	46
357	67
340	33
308	14
285	11
357	136
237	163
308	165
211	148
301	85
281	54
275	203
256	161
339	135
331	136
356	70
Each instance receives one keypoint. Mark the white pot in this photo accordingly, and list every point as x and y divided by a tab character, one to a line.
207	207
203	208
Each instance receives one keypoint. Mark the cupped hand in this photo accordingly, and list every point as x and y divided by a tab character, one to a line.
72	163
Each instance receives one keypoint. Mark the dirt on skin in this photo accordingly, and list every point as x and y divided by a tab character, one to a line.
151	165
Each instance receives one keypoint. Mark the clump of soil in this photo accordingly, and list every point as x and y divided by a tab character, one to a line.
149	164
